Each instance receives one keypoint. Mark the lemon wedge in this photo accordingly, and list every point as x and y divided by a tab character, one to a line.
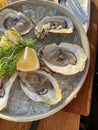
10	38
28	60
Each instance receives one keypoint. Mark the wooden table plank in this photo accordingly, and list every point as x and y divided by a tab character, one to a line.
60	121
81	104
8	125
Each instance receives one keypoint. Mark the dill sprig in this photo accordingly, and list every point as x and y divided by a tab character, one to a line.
9	56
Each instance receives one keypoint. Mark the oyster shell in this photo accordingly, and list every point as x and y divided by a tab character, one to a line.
66	58
5	86
54	24
40	87
10	18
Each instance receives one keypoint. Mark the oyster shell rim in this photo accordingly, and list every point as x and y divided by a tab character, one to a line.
6	12
52	80
69	69
4	99
41	33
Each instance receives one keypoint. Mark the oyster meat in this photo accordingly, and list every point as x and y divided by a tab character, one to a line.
40	87
65	58
54	24
10	18
5	86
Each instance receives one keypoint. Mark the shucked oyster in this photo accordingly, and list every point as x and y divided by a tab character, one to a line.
10	18
65	58
54	24
5	86
40	87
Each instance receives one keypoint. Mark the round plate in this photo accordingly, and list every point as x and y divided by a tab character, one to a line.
20	107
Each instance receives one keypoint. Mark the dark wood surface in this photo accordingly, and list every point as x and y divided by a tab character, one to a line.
69	117
60	121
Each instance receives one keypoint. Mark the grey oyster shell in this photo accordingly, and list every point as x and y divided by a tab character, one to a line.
65	58
54	24
11	18
40	87
5	90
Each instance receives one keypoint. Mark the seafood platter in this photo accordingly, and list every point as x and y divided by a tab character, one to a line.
44	59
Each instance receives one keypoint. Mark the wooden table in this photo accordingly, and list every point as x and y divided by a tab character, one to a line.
69	117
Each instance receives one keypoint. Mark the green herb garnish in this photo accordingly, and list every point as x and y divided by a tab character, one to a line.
9	56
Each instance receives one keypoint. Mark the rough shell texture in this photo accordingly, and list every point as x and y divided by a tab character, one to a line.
10	18
68	69
7	86
50	96
54	24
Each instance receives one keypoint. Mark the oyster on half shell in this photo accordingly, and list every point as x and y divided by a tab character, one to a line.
54	24
65	58
10	18
40	87
5	86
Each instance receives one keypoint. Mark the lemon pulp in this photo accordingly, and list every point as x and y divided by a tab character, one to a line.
28	60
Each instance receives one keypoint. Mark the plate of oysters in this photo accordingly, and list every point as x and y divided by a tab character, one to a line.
44	59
